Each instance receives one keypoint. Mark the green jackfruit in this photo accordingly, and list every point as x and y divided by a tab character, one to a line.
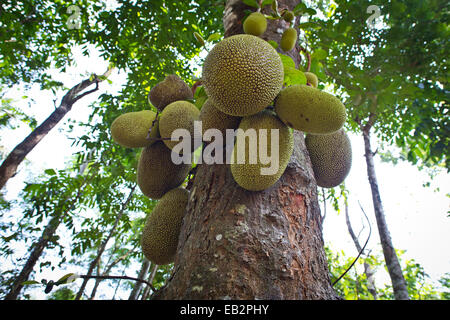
248	175
178	115
170	90
242	74
156	173
310	110
331	157
213	118
131	129
255	24
311	79
162	229
288	16
288	39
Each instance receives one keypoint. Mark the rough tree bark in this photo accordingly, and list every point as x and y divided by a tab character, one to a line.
237	244
390	256
9	166
367	269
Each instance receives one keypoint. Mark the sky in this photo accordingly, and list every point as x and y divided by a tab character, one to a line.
416	215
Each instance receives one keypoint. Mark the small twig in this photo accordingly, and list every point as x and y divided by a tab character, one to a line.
195	86
361	251
153	124
308	57
117	277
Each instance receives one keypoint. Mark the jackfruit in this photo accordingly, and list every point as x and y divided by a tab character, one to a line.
213	118
311	79
162	228
242	74
255	24
156	173
248	175
288	39
288	16
311	110
178	115
170	90
331	157
131	129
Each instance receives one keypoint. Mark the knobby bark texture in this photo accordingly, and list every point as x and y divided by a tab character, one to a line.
367	269
9	166
237	244
390	256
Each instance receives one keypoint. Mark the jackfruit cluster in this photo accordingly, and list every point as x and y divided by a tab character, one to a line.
243	78
331	157
162	228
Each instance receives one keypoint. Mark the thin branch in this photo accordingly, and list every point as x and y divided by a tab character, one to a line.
361	251
104	277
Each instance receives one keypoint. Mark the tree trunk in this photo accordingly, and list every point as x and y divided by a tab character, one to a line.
237	244
390	256
152	275
104	243
47	234
38	248
138	285
9	166
367	269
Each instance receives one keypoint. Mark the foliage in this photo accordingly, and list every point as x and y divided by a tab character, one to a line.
397	72
354	285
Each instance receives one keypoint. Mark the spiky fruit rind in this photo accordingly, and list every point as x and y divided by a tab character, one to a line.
156	173
311	110
178	115
131	129
242	74
331	157
255	24
248	175
288	39
162	228
171	89
213	118
311	79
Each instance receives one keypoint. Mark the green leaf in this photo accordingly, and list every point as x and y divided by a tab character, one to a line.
266	3
214	37
50	172
251	3
287	61
319	54
64	278
294	76
199	38
30	282
274	44
311	11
